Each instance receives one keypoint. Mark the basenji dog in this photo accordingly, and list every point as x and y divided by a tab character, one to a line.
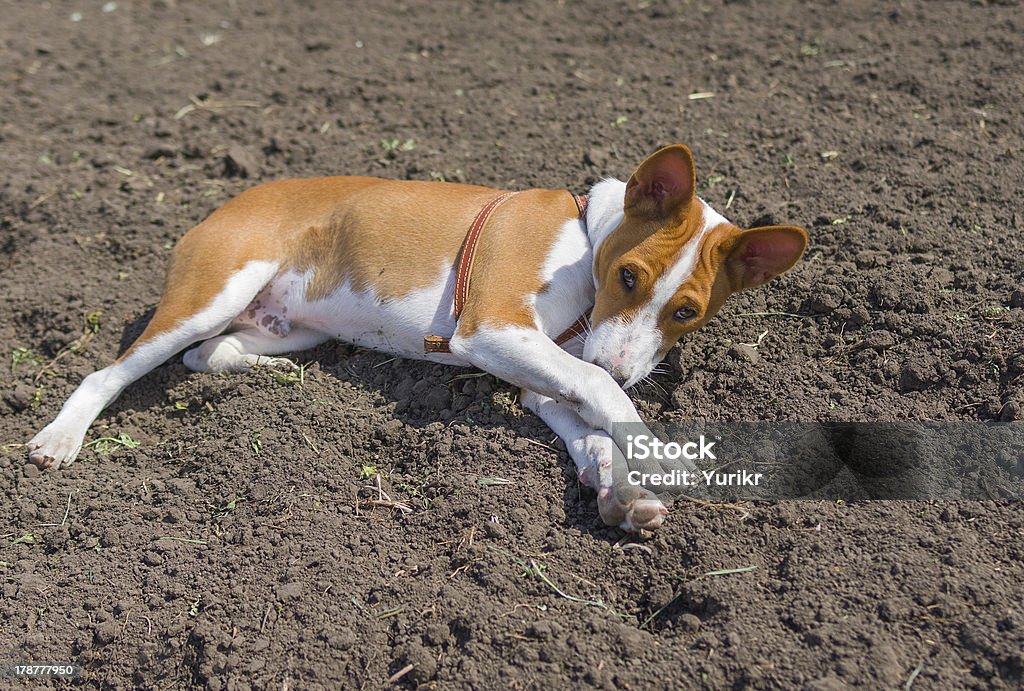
462	275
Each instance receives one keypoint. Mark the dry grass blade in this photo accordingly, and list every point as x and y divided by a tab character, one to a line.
401	673
791	315
489	481
538	571
63	520
913	677
726	572
384	499
716	572
212	105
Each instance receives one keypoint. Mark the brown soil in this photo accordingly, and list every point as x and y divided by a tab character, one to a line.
236	548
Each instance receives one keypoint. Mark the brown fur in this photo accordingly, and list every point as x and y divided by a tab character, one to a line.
513	247
662	214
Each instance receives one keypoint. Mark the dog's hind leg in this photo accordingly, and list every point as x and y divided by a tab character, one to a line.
240	351
176	324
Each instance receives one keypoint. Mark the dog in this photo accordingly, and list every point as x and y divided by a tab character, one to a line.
572	299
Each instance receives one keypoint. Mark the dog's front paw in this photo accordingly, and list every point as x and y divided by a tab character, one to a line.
621	503
630	507
54	447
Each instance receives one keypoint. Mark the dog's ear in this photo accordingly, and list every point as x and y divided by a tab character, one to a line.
663	185
760	254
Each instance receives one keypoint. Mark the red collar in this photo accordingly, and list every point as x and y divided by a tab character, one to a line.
464	269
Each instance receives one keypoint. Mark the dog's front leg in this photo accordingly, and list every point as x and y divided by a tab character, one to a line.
600	465
526	357
529	359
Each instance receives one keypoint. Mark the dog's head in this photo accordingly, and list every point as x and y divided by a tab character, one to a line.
668	266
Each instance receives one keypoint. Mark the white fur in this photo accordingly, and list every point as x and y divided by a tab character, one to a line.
59	442
394	326
604	212
527	358
568	290
581	403
594	453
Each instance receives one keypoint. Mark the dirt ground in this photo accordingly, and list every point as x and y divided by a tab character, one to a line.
227	540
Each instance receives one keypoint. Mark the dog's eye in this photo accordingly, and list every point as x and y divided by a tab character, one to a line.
684	314
628	278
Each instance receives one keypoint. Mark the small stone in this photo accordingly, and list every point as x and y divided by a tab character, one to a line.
391	430
543	629
1011	412
859	316
239	162
596	156
743	351
343	639
30	470
110	537
152	559
437	397
494	530
823	304
1017	298
660	596
423	661
917	376
690	622
884	296
631	640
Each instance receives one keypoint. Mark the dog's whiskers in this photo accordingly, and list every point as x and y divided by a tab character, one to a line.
657	388
585	332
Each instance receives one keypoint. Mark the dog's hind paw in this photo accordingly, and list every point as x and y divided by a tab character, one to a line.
282	364
54	447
